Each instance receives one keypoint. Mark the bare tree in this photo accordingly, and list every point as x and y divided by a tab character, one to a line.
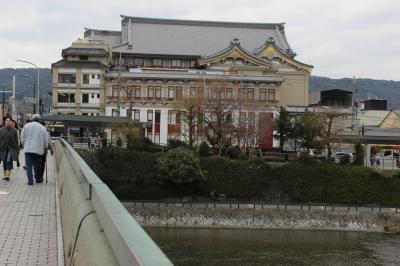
329	129
192	108
218	111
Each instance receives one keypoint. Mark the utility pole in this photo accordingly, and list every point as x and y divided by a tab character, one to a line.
353	105
34	97
13	110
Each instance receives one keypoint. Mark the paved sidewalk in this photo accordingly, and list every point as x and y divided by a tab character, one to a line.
28	224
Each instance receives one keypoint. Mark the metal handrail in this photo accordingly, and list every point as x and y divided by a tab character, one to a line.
264	205
129	242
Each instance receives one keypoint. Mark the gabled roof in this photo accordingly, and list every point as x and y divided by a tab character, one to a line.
270	50
396	112
189	37
235	49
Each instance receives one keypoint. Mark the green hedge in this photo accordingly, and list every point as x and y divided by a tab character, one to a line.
236	178
331	183
134	175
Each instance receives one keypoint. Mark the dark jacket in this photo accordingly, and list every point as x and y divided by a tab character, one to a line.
9	139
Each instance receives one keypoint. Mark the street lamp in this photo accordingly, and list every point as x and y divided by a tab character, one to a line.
38	76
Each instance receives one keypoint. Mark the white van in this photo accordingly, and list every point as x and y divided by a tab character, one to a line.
389	159
389	154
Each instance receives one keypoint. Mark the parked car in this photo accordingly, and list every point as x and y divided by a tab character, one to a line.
338	157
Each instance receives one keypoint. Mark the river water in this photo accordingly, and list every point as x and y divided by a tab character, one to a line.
188	246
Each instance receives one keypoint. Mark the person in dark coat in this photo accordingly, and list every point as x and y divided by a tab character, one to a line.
9	147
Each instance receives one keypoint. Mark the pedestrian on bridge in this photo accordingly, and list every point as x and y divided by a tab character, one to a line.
34	139
9	147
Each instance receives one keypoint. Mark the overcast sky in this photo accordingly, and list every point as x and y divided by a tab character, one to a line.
341	38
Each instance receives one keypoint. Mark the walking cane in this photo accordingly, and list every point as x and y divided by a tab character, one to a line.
45	165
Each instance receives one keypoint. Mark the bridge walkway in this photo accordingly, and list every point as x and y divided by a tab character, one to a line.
28	219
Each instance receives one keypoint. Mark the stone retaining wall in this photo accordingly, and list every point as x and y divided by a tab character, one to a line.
262	218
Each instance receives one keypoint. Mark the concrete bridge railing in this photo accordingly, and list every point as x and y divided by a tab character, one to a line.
97	229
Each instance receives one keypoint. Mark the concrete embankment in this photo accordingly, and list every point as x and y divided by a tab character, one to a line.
263	218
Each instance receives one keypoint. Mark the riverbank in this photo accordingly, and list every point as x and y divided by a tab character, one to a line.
264	218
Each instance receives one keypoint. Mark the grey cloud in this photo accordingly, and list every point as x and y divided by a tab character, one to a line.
340	38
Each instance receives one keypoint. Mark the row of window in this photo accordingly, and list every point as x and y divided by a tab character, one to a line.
136	115
159	62
176	92
174	117
70	97
86	78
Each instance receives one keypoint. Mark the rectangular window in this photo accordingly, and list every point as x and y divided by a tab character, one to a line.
66	78
150	91
176	63
262	96
157	116
85	114
174	118
251	118
178	92
149	115
63	97
158	91
85	98
171	92
136	114
92	96
214	93
115	112
243	117
157	62
138	62
271	95
93	75
115	91
242	94
98	96
192	92
250	94
85	78
229	93
137	92
229	118
83	57
98	76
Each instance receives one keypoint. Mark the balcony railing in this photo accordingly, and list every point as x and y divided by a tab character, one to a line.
124	99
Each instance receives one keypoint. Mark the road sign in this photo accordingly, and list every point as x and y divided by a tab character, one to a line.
29	100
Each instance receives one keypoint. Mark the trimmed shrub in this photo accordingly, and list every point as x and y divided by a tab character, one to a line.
180	167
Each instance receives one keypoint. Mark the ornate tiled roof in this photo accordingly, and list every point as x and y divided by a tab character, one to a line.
188	37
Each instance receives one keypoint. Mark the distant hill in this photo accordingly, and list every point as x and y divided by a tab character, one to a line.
24	80
367	88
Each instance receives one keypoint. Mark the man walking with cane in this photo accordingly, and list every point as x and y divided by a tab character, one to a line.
34	139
